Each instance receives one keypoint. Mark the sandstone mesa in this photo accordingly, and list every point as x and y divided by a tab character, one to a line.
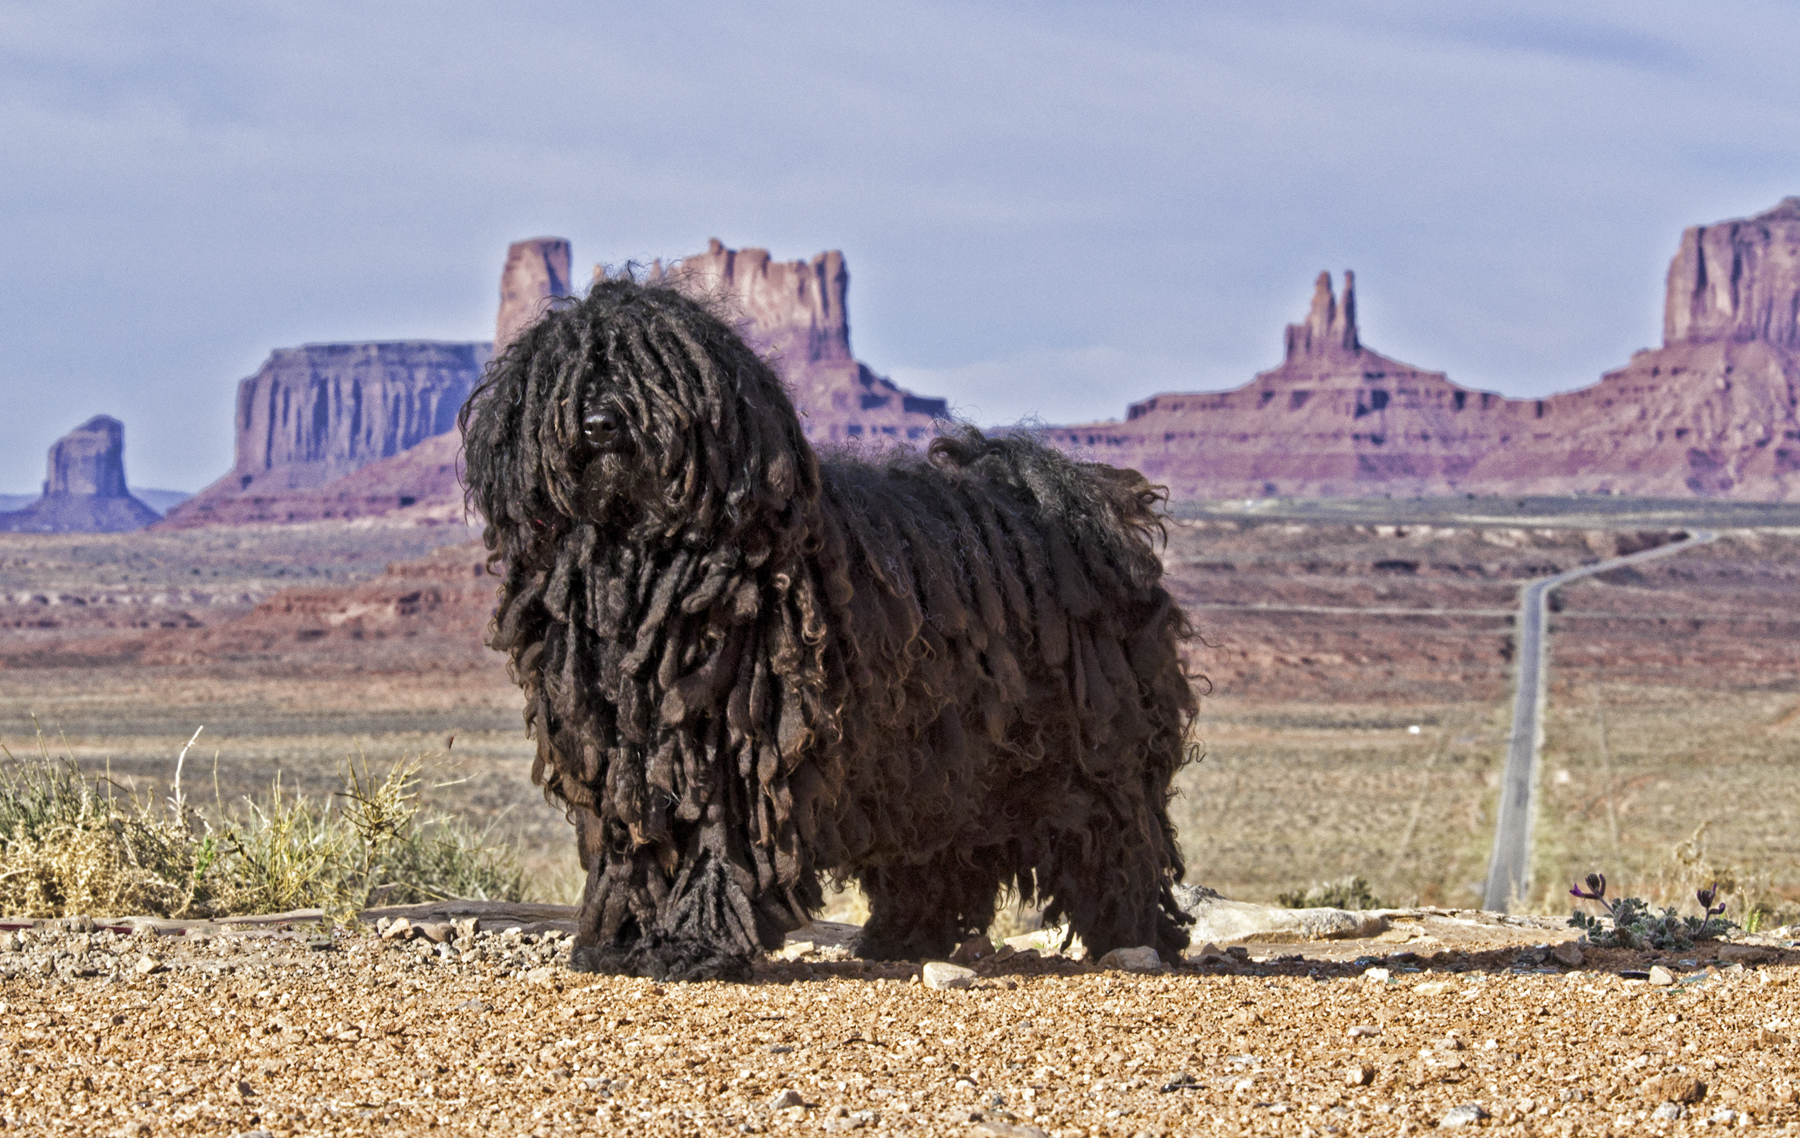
356	430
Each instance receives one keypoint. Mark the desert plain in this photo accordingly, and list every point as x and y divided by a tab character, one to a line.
1356	702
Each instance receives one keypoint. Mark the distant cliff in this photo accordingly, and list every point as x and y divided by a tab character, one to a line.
342	431
314	414
84	486
1711	413
796	313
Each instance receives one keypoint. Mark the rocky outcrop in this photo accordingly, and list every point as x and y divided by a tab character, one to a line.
796	314
1737	280
314	414
536	271
1712	413
84	489
1334	419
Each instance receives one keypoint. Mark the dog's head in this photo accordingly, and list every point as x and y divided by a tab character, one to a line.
637	411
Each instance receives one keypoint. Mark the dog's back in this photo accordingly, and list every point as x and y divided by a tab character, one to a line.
1013	667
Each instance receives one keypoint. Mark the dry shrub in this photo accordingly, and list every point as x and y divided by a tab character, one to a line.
67	846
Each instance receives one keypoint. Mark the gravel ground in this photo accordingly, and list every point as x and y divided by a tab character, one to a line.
290	1031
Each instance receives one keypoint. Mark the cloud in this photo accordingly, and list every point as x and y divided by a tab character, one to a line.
1061	208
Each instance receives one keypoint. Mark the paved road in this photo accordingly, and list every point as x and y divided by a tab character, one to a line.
1509	867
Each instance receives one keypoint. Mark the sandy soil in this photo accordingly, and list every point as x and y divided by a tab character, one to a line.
290	1032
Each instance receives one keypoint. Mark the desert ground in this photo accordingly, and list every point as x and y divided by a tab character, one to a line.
1674	707
293	1031
1356	693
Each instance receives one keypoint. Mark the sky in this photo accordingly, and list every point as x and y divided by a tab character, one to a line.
1048	210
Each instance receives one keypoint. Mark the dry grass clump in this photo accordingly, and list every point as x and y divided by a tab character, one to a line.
73	845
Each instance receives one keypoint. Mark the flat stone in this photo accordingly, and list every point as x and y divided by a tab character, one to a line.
1222	921
437	932
397	929
147	965
1661	977
945	976
1140	959
1463	1115
1669	1112
1363	1031
994	1128
1747	954
1568	953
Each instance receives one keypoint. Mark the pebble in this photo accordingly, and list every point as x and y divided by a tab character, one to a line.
437	932
1669	1112
1140	959
1568	954
1673	1087
784	1099
1363	1030
945	976
971	950
1377	975
1463	1115
1359	1075
995	1128
146	965
398	929
1661	977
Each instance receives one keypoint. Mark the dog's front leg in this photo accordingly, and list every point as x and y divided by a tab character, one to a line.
640	919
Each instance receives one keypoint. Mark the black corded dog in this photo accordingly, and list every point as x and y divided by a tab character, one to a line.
748	666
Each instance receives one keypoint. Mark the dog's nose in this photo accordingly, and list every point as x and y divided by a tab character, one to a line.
601	430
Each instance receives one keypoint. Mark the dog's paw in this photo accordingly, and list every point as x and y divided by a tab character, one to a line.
663	958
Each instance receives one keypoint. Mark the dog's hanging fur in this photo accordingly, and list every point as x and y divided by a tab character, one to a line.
747	666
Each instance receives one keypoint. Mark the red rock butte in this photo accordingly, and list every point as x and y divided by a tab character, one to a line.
1712	413
340	431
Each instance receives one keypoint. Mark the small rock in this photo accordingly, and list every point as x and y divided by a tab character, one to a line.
1463	1115
249	1134
1363	1030
1724	1116
1660	977
147	965
1140	959
1673	1087
782	1100
944	977
1432	988
437	932
1359	1075
994	1128
971	950
476	1005
1568	954
398	929
1377	975
1669	1112
543	974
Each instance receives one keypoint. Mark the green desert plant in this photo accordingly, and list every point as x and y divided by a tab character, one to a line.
71	845
1630	922
1350	893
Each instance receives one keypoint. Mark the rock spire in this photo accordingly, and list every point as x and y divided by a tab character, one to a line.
1330	327
536	270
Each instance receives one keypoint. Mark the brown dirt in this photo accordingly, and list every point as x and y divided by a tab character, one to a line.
287	1033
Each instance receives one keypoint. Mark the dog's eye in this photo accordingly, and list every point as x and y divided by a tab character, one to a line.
601	429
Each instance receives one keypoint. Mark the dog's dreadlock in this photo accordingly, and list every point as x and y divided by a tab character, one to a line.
745	667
